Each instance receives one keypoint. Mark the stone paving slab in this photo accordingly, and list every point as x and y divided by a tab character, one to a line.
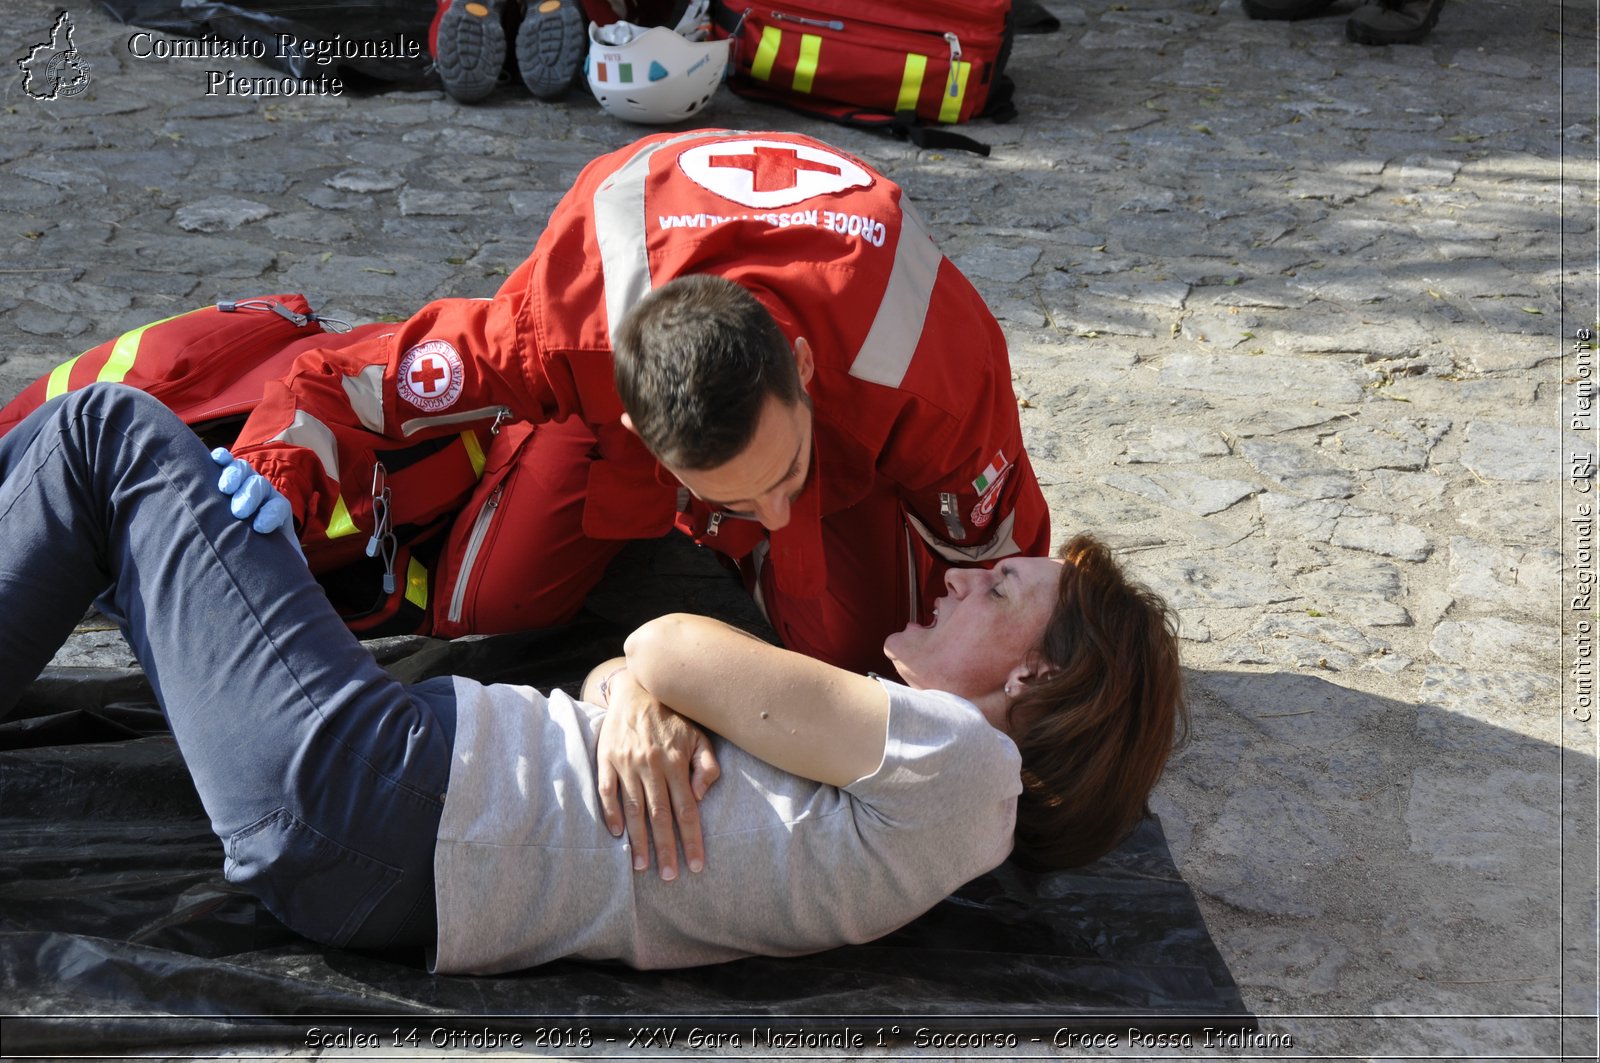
1293	326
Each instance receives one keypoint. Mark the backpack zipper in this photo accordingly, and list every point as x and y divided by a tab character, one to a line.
827	24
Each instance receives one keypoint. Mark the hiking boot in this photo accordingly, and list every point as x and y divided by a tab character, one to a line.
1393	21
550	47
1284	9
468	41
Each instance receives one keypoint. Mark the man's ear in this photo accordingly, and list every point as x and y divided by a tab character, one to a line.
627	422
803	361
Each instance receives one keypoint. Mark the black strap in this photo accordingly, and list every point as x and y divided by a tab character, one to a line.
906	126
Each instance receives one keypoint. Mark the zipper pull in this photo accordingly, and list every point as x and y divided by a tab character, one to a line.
330	324
380	508
300	320
272	305
955	57
711	525
383	540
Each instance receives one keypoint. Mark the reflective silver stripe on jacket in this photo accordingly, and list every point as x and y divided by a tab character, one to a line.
483	413
620	228
886	353
364	390
1000	544
306	431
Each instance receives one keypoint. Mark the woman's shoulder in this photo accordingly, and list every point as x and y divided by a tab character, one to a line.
944	733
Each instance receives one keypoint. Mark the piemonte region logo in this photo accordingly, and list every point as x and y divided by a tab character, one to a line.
54	70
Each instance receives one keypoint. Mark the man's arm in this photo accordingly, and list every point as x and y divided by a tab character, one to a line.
455	364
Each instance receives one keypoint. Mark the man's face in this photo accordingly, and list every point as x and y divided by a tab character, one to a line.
763	480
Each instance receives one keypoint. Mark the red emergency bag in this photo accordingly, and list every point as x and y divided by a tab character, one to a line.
910	67
209	367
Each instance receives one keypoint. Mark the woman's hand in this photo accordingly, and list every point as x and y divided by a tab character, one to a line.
662	765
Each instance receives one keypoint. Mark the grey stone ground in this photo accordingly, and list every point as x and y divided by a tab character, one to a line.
1288	318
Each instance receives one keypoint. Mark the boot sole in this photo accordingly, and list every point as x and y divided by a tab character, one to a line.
471	51
550	48
1361	33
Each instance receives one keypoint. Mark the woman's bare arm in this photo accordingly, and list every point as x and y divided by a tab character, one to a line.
806	717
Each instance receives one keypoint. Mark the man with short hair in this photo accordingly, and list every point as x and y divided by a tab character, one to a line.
746	336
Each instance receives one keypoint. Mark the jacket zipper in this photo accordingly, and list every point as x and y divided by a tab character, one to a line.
469	557
951	515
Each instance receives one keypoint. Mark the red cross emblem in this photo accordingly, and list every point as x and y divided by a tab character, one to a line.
427	374
772	169
430	376
764	174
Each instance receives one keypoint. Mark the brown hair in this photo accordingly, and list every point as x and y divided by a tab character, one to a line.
694	362
1107	717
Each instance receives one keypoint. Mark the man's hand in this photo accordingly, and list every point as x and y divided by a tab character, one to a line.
662	765
252	494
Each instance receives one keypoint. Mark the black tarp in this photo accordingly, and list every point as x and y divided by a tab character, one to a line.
113	905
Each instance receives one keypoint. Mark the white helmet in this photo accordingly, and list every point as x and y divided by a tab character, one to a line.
652	75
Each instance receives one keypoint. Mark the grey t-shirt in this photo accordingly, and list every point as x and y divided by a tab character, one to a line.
528	873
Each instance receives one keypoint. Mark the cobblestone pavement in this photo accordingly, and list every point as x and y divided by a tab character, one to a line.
1293	325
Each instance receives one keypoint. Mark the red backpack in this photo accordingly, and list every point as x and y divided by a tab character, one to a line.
911	67
209	367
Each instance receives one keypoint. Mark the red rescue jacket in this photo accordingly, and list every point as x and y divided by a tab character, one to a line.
912	386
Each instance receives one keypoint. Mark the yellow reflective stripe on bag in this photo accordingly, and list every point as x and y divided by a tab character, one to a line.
805	68
911	82
125	350
56	386
766	53
123	353
955	92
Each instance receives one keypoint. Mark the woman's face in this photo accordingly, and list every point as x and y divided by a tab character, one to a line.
984	627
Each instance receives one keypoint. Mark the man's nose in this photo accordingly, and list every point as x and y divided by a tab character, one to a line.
773	511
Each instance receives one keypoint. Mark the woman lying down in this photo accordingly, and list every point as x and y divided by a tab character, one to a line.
1030	720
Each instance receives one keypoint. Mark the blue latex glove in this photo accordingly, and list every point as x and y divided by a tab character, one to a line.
252	494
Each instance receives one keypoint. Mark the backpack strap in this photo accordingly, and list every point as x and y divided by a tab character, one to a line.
905	125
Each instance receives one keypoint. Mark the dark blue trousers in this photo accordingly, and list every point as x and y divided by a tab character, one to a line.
323	776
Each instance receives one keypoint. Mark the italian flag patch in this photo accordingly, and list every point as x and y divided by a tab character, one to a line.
991	473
